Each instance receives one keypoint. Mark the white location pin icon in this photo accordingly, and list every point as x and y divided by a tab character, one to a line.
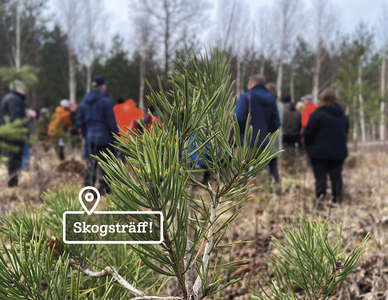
89	197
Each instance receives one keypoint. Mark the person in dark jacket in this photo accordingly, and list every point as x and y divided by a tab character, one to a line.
13	107
261	104
98	124
325	140
291	129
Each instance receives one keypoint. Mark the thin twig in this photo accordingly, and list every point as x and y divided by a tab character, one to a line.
112	271
156	298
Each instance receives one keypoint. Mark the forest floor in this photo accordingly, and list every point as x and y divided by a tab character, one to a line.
365	210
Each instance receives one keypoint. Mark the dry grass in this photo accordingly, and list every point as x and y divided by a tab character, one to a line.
365	210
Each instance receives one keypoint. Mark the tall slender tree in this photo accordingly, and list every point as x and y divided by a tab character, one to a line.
173	19
383	30
325	23
92	21
70	15
287	19
364	41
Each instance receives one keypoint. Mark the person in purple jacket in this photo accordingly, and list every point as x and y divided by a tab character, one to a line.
263	110
98	124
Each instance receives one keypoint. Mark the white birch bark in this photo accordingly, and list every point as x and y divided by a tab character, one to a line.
382	91
361	101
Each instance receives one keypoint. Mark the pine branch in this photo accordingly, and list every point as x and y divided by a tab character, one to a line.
156	298
111	271
208	247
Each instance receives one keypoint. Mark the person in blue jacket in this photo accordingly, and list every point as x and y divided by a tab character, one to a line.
263	110
98	124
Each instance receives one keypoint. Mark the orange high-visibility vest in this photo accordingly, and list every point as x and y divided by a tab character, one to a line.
126	115
306	112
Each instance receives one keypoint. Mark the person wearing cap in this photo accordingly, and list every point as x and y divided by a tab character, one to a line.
12	107
60	125
291	130
308	109
97	121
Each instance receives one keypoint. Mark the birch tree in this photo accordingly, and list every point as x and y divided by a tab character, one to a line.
91	22
20	24
325	22
233	34
264	35
21	21
383	30
70	14
173	19
364	42
145	39
286	23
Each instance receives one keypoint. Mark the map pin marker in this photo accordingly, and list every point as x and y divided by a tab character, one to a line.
89	197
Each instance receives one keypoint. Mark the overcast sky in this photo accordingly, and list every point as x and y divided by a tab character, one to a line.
352	12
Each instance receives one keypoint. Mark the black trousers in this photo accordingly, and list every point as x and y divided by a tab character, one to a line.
289	142
92	164
15	164
273	170
333	168
61	152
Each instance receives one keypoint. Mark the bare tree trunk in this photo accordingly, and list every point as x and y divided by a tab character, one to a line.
355	125
361	100
280	76
252	67
72	74
316	74
229	24
17	50
142	80
238	76
166	45
292	82
88	77
262	66
243	71
382	103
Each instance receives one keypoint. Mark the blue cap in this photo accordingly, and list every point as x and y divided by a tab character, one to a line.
98	80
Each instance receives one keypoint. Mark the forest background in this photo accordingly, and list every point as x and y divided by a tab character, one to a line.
302	46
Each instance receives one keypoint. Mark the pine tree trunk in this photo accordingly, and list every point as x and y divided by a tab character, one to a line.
142	81
361	100
382	103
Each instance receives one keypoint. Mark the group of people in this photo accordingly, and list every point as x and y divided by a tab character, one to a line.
96	119
319	129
